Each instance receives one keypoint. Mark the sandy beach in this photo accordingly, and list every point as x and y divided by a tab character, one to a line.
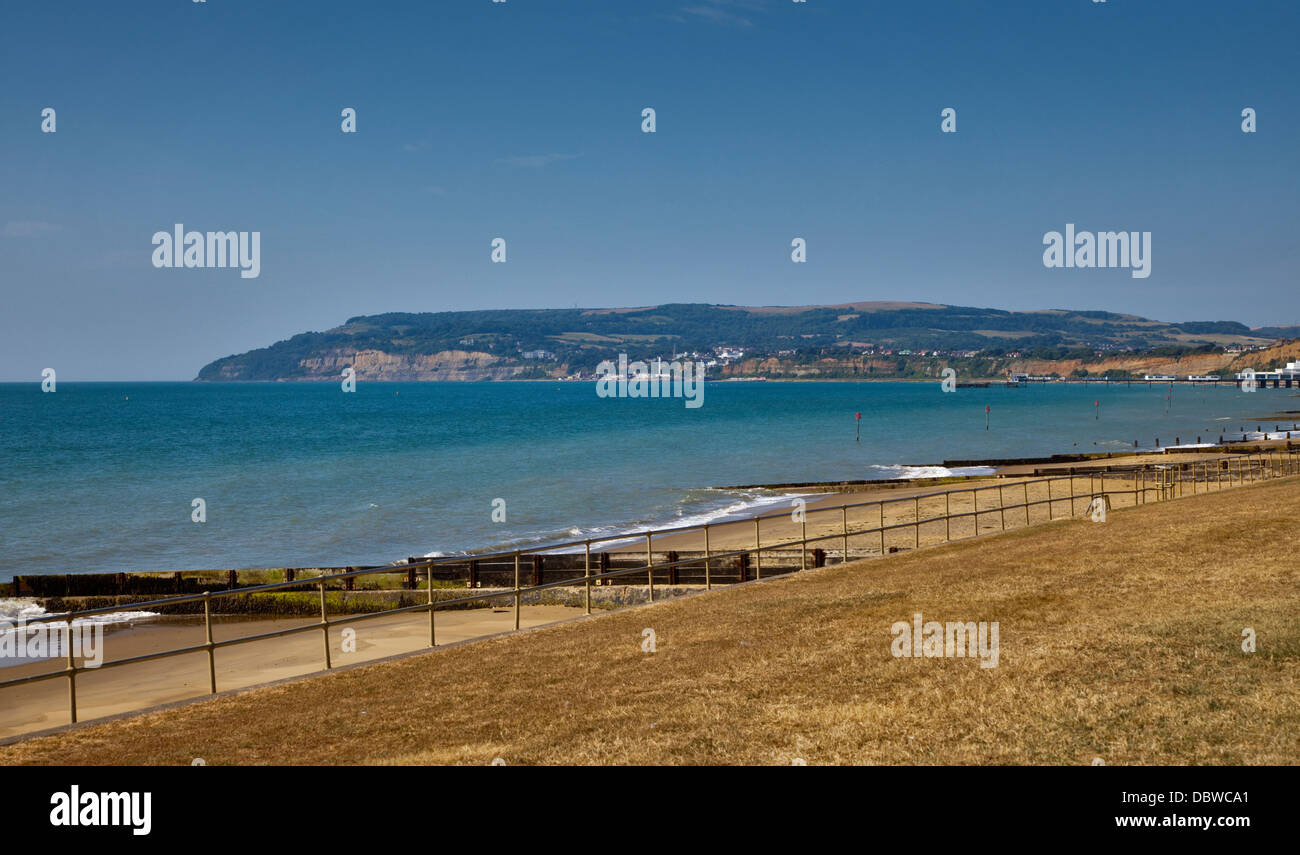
37	706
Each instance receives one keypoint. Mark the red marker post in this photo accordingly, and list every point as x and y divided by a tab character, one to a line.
858	437
1096	408
986	416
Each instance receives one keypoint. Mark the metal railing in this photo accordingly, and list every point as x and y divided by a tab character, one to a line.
1163	481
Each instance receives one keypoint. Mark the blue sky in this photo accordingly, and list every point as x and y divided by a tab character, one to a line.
523	120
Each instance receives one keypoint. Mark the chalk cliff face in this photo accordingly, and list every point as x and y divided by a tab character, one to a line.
1223	364
378	365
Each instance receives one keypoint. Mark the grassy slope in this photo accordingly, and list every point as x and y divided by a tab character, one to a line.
1119	640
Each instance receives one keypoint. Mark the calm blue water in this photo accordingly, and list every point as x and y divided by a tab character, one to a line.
304	474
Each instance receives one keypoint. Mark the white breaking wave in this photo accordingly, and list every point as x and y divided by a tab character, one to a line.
910	472
14	609
623	534
15	632
739	509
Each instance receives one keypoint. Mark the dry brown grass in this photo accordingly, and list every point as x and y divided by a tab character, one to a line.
1119	640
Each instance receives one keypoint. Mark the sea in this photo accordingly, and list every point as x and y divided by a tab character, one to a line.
104	477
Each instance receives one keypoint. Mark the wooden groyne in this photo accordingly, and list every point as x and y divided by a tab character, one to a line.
649	558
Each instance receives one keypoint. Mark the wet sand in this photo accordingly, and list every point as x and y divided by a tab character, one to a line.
783	528
825	518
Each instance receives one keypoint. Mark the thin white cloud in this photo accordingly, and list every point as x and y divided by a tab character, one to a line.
729	13
28	228
536	161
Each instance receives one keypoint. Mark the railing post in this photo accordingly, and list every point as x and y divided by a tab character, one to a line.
758	548
72	675
708	579
1025	484
947	515
433	636
881	506
516	590
324	624
212	656
649	573
1002	507
844	511
1071	493
803	547
916	515
586	572
1050	514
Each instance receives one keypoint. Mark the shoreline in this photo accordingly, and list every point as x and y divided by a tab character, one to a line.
776	496
126	685
998	380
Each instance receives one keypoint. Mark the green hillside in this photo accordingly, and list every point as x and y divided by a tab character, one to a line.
552	342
